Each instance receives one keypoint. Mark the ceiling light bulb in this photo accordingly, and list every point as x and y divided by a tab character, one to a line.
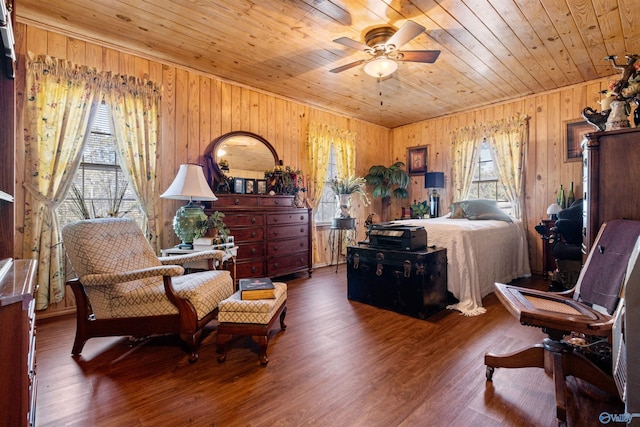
380	67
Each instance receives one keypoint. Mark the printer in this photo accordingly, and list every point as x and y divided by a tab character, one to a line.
388	235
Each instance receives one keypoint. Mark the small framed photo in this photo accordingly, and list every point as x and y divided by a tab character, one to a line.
249	186
417	160
261	185
573	134
238	185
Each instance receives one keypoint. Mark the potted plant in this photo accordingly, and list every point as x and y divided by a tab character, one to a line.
388	181
344	188
419	209
215	222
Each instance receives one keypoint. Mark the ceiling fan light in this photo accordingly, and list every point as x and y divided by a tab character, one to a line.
380	67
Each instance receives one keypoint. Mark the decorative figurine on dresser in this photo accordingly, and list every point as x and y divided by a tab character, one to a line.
411	282
272	233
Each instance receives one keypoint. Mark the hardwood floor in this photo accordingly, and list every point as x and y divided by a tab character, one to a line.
339	363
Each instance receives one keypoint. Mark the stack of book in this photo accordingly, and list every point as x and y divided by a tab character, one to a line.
251	289
208	243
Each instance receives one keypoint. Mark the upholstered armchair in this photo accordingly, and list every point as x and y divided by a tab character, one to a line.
123	288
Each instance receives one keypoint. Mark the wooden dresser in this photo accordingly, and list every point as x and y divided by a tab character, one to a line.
273	237
611	179
17	344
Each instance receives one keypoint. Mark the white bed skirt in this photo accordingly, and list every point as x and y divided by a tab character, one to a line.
479	253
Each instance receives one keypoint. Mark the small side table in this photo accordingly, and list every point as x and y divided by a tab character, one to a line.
548	260
343	233
230	254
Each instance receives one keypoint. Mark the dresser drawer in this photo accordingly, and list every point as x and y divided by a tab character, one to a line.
288	218
250	269
248	234
284	247
287	231
250	250
243	220
278	266
239	200
277	201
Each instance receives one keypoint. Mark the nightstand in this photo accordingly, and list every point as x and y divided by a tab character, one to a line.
548	260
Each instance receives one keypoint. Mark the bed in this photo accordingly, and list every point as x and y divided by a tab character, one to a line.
479	253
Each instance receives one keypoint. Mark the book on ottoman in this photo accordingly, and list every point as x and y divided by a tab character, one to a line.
261	288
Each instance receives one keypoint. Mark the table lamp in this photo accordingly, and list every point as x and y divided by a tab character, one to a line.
553	210
434	180
190	221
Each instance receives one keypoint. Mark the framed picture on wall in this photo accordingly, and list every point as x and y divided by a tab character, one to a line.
261	185
238	185
417	160
574	132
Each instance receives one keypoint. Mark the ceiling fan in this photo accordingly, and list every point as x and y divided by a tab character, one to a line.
382	44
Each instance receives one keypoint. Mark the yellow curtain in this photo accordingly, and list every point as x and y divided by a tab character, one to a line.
507	139
60	101
318	149
465	144
135	108
320	139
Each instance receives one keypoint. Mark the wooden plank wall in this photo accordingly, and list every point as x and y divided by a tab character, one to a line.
545	165
196	109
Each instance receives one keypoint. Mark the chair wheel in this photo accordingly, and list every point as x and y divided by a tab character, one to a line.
489	373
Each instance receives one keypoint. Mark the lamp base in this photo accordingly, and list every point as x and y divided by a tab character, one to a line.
190	223
434	204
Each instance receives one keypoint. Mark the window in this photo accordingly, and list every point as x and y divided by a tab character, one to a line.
486	184
99	181
326	207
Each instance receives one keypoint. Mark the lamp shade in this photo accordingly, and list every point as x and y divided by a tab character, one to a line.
380	67
189	184
434	180
553	209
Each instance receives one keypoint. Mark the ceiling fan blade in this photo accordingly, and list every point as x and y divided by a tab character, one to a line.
346	67
405	34
428	56
346	41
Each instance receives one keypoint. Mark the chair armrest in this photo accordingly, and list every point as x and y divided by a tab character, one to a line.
181	259
127	276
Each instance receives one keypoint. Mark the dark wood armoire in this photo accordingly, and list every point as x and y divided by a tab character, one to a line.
611	179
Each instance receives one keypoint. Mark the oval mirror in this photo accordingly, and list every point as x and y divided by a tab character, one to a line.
240	154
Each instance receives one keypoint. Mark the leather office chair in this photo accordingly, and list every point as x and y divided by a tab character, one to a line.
124	289
585	313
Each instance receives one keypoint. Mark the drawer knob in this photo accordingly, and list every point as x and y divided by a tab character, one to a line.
275	219
301	217
275	248
254	234
275	233
253	251
253	220
253	269
236	201
276	201
302	229
276	265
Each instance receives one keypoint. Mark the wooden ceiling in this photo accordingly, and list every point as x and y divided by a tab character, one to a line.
492	50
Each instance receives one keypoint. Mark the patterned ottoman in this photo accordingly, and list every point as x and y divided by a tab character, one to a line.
250	317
